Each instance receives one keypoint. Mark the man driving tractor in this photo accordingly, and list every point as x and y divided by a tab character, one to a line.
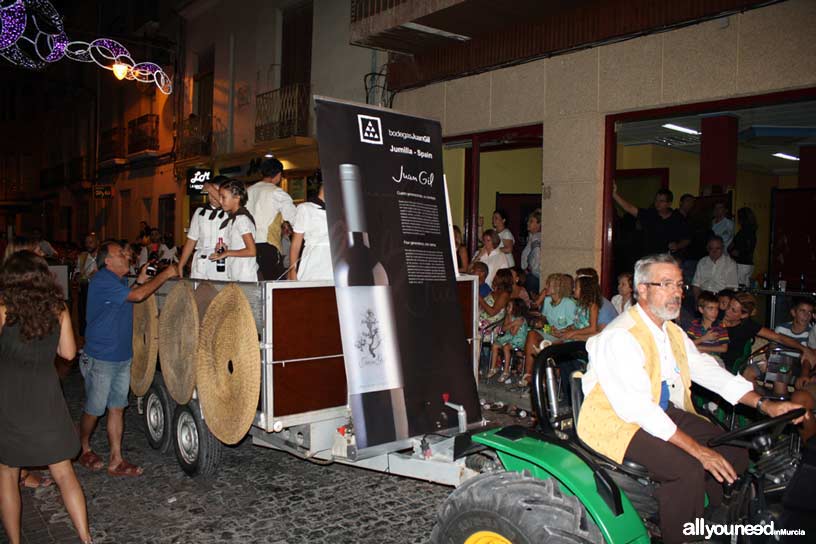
638	400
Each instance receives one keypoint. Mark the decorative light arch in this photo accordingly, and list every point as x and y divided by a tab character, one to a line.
32	36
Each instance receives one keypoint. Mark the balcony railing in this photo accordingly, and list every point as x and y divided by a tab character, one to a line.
78	169
196	137
143	134
112	144
360	9
282	113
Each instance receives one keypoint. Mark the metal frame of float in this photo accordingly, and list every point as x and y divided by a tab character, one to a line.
313	434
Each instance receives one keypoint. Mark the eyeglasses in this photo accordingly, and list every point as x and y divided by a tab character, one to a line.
667	285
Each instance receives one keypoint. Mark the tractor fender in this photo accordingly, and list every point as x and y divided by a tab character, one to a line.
547	456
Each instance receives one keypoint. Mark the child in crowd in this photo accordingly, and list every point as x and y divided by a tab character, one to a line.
799	328
519	280
513	334
625	298
557	311
480	269
587	295
706	332
724	299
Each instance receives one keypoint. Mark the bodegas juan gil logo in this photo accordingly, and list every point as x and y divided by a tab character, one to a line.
370	129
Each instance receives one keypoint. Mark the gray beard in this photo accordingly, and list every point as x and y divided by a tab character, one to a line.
664	313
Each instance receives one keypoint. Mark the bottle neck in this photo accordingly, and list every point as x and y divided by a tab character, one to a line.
356	239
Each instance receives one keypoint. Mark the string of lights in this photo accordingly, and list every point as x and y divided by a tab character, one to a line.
32	36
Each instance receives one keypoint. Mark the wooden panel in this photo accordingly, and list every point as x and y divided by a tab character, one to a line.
465	291
305	386
305	323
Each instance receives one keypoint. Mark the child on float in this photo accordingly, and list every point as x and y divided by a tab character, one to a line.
513	335
239	241
203	234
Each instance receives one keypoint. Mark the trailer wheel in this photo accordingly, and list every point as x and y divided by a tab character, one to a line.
157	418
510	507
197	450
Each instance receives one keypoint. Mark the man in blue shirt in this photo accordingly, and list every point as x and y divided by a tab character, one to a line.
105	363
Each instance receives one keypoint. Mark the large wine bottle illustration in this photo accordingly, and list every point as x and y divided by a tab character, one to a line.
368	328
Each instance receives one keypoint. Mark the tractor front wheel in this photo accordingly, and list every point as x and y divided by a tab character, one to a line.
510	507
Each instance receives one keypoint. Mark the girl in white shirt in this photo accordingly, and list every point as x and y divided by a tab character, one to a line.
203	234
311	228
239	243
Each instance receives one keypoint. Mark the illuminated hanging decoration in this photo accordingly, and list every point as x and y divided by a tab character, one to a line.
32	36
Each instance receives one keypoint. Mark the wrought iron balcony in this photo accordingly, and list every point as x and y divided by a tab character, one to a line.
282	113
112	144
143	134
196	137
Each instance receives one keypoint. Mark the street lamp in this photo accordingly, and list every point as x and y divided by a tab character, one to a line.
120	70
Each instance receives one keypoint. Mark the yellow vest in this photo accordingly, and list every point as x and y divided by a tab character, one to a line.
598	424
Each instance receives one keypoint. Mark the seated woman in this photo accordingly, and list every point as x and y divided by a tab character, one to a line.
491	255
742	329
519	280
587	294
513	334
557	312
492	307
625	298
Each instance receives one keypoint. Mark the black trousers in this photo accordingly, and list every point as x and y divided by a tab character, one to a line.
683	480
270	262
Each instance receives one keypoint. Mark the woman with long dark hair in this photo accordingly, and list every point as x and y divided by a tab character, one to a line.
35	424
239	240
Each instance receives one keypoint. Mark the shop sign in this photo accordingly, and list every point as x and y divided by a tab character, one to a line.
196	178
103	191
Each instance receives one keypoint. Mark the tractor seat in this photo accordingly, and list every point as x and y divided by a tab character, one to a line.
628	466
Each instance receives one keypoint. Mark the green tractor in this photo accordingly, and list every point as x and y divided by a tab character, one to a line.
544	485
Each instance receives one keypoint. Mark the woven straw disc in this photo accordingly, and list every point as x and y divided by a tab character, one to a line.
178	339
228	366
145	345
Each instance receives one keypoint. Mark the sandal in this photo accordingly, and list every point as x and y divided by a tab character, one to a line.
492	372
504	377
91	461
525	380
125	469
33	481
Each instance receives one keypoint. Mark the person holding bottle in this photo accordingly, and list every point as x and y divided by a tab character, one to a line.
203	235
238	245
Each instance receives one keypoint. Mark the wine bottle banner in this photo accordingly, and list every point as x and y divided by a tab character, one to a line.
391	255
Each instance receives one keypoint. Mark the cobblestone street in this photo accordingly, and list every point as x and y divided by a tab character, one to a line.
258	495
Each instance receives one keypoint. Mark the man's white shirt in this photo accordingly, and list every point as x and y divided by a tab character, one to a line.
716	276
617	365
264	201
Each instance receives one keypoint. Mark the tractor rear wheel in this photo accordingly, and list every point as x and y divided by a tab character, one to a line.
510	507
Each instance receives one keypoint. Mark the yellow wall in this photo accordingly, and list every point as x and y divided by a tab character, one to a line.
789	182
684	167
516	171
454	168
752	190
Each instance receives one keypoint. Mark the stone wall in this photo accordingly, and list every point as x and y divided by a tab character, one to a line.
763	50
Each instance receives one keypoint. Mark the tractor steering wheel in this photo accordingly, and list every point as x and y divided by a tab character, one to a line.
755	428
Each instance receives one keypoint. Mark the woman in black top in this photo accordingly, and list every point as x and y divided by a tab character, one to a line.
35	425
742	248
742	329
